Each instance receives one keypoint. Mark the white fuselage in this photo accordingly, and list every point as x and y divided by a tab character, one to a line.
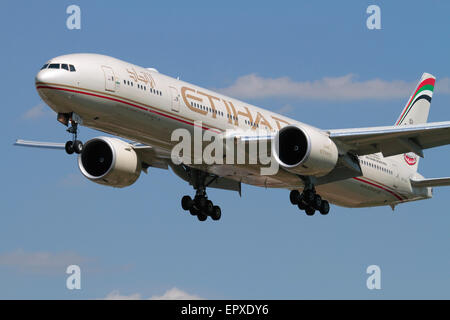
144	105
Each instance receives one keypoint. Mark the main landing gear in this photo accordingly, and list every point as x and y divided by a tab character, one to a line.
74	145
200	206
309	201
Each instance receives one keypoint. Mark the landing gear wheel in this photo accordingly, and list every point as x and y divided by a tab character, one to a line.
308	196
294	196
77	146
325	207
187	203
310	211
69	147
301	205
209	207
200	201
317	202
201	217
217	213
193	211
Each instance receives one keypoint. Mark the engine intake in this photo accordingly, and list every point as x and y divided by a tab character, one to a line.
305	151
109	161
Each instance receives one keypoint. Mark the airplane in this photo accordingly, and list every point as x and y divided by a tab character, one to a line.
354	168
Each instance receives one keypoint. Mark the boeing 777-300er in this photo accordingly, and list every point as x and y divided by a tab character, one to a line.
358	167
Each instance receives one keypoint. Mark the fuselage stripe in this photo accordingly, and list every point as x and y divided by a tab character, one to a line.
127	103
380	187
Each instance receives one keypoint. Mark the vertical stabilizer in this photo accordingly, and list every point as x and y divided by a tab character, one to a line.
416	112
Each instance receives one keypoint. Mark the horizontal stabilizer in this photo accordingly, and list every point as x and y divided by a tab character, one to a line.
436	182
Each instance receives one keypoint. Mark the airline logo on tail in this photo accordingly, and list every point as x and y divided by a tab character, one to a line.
423	91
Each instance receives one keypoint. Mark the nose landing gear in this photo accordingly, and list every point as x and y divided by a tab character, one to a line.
73	145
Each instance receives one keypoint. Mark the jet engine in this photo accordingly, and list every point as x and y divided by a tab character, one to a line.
109	161
304	151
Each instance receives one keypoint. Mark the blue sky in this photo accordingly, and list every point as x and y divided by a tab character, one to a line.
137	241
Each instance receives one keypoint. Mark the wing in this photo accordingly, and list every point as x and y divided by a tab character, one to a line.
393	140
150	156
39	144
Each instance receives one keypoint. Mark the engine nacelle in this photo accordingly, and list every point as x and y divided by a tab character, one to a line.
109	161
304	151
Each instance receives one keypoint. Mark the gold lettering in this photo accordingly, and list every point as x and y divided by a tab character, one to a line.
246	114
211	101
228	111
236	122
142	76
260	119
185	97
278	120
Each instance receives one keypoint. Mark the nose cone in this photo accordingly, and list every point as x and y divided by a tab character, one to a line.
45	76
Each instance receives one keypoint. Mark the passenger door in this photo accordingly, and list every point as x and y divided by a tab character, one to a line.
175	99
109	79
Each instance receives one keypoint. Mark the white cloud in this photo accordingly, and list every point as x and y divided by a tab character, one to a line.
346	87
36	112
176	294
286	109
115	295
40	262
171	294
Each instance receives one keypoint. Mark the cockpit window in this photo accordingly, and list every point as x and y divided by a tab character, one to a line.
65	66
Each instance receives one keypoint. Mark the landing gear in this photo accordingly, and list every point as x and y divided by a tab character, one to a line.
74	145
200	206
309	201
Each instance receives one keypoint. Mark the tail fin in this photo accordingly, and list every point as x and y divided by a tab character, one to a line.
416	112
418	105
